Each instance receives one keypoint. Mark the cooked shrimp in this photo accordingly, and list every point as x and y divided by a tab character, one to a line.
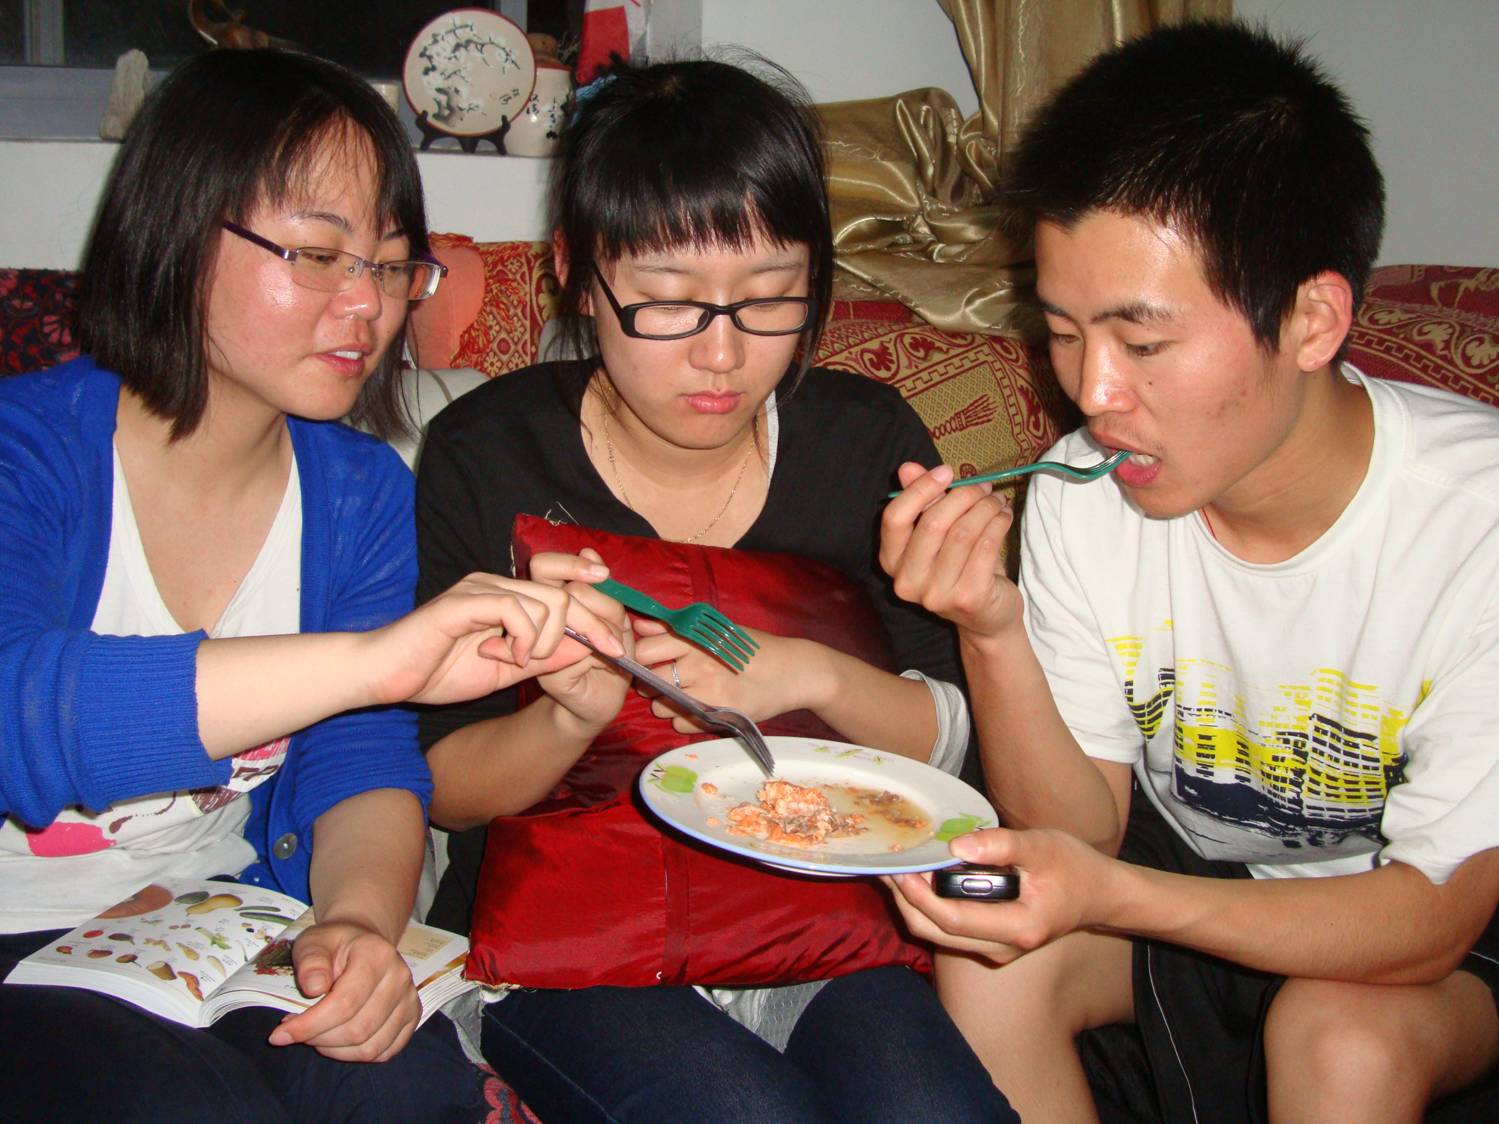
793	814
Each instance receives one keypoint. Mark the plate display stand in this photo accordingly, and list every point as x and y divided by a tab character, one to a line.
432	133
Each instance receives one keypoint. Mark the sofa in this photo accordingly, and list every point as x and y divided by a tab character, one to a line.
987	400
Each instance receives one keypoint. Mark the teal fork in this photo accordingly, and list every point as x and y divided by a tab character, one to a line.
1077	472
699	622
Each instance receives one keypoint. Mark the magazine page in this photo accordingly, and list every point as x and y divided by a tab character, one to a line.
435	957
267	979
166	947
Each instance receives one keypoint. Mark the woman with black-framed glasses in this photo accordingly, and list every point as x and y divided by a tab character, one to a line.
206	625
691	233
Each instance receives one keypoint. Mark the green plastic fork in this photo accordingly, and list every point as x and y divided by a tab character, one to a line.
1077	472
698	622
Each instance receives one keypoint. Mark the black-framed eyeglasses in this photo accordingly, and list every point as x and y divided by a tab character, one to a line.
675	320
334	271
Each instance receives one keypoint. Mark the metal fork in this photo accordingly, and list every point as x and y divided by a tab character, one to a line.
735	723
699	622
1077	472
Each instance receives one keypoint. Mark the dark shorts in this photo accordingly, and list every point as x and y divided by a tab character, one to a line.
1197	1054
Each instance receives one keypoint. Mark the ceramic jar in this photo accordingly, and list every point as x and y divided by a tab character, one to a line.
535	130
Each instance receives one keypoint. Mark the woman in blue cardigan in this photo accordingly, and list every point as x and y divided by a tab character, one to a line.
206	589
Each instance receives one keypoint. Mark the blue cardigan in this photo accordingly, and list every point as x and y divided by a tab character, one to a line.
88	720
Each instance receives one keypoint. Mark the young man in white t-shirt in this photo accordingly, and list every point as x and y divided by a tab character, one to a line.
1259	663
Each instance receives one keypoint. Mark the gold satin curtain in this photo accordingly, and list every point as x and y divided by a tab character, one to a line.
912	183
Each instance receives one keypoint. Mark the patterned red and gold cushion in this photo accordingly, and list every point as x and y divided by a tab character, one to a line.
38	314
1431	324
490	308
503	1104
987	400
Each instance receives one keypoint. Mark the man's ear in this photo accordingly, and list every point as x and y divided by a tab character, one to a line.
1320	320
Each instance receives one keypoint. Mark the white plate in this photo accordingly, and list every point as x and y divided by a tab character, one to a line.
673	788
470	71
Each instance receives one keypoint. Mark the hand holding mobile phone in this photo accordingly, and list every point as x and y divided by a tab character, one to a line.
977	883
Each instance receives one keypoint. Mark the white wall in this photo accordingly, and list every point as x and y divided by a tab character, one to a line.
1422	74
48	191
847	49
1424	78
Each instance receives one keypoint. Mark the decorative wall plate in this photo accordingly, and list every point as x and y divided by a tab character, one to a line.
470	71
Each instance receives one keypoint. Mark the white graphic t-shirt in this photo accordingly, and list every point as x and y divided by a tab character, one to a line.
84	861
1314	716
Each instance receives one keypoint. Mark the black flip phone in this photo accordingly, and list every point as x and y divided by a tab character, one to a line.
977	883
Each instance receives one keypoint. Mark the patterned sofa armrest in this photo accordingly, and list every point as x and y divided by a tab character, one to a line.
986	400
489	311
1431	324
38	315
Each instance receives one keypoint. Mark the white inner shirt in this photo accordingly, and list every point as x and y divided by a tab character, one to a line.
84	862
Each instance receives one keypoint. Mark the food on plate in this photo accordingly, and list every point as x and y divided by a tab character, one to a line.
822	813
896	809
793	814
831	808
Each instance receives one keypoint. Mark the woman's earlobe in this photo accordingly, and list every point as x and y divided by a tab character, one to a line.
559	258
562	266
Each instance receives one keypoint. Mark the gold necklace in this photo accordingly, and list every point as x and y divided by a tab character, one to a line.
620	484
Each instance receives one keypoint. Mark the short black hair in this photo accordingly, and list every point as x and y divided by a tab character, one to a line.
1227	135
224	133
699	153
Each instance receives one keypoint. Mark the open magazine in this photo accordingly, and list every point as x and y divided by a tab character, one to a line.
194	951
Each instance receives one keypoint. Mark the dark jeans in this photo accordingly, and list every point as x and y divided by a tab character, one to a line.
71	1054
872	1046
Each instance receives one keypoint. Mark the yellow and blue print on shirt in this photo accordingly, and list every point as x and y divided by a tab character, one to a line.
1308	764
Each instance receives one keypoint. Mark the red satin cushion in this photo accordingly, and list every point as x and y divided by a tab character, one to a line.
586	890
